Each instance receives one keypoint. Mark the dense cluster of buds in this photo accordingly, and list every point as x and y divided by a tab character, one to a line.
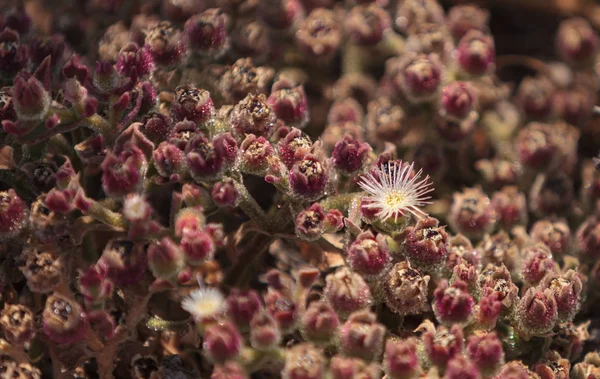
297	189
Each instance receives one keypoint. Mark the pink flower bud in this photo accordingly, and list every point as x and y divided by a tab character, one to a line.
567	289
535	97
472	213
577	42
334	221
207	159
498	172
405	289
310	223
194	104
191	218
256	152
224	194
346	367
461	368
165	45
169	160
31	100
206	32
60	201
536	147
499	249
282	308
63	320
157	127
124	261
216	232
366	24
123	172
458	100
443	345
425	243
401	360
319	35
132	57
102	323
222	342
165	259
510	206
485	351
475	53
294	147
350	155
460	249
495	282
319	323
416	76
368	255
13	214
303	361
197	246
538	263
362	336
309	177
253	115
347	292
264	332
462	18
289	102
17	322
242	306
488	310
94	285
453	304
537	312
243	78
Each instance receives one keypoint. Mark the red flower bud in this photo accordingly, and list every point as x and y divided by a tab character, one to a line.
123	172
282	308
537	312
319	323
510	206
13	214
475	53
133	57
194	104
443	345
303	361
222	342
165	259
31	100
458	100
350	155
535	97
461	368
197	246
207	159
191	218
319	35
253	115
256	152
462	18
401	360
310	223
264	332
366	24
124	261
347	292
294	147
206	32
499	249
472	213
362	336
453	304
309	178
485	350
243	78
368	255
165	45
242	306
416	76
224	194
425	243
538	263
567	289
94	285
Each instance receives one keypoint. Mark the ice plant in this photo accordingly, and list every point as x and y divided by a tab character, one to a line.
396	191
204	303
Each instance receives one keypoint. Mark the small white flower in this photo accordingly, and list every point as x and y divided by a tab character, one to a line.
204	302
393	191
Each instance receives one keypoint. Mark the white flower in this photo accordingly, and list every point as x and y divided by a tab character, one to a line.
204	302
393	191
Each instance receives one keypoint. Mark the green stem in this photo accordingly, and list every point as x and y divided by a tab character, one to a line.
250	206
340	202
106	216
